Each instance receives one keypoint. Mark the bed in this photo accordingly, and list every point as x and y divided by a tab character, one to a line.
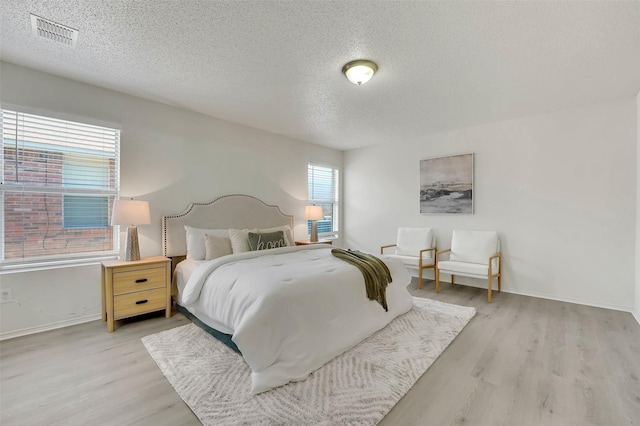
289	309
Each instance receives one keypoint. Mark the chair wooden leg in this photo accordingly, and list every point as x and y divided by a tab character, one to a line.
489	291
453	279
437	280
500	282
420	278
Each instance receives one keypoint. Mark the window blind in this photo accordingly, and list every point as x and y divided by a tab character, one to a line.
323	191
59	180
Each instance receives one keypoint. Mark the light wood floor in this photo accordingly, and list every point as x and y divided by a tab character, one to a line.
521	361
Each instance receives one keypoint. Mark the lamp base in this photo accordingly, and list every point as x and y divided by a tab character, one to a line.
314	232
132	249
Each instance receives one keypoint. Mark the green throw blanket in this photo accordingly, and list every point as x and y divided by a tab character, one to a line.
375	272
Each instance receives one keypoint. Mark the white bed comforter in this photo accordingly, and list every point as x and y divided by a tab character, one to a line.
292	309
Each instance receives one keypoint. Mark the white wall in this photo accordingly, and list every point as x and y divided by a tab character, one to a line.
170	157
560	188
636	311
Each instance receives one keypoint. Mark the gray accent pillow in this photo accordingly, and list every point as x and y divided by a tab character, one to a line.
267	240
288	236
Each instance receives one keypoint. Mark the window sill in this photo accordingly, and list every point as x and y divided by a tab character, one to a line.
16	268
331	236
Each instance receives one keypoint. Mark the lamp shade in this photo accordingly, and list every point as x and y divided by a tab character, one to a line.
313	213
130	212
360	71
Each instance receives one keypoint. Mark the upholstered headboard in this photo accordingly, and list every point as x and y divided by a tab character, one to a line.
229	211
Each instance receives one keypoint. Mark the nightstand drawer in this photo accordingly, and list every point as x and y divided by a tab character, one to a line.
141	279
126	305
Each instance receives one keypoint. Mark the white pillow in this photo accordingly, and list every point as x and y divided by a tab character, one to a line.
288	235
196	249
216	246
240	239
473	246
412	240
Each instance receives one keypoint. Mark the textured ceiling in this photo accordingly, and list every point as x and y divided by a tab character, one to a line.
276	65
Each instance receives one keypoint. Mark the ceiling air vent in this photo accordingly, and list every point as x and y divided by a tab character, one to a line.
53	31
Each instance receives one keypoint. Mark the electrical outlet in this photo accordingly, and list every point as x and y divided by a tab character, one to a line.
6	295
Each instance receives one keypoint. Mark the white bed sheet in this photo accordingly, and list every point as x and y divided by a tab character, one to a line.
291	310
183	271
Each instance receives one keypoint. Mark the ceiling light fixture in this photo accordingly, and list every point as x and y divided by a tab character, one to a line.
360	71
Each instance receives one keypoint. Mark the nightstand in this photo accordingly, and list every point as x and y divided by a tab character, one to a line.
135	287
307	242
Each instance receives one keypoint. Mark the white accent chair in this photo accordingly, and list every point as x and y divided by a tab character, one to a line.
415	248
474	254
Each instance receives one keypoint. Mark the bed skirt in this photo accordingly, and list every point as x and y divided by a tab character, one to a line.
223	337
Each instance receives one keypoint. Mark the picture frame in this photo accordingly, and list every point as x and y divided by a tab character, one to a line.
446	184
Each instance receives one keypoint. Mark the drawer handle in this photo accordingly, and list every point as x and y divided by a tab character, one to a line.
141	302
141	280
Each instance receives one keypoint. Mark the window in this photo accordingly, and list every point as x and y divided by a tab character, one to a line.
59	180
85	212
323	191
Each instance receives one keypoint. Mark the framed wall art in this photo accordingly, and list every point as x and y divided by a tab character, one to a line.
446	184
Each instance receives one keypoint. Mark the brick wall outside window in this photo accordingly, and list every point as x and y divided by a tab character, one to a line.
33	221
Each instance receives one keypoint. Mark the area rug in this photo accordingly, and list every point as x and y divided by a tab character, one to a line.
358	387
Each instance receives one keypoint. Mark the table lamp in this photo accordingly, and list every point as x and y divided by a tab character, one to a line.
131	212
313	213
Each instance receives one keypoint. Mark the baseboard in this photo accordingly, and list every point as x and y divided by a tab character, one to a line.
48	327
636	315
585	302
578	301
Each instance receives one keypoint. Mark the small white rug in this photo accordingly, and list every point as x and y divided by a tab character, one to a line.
358	387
